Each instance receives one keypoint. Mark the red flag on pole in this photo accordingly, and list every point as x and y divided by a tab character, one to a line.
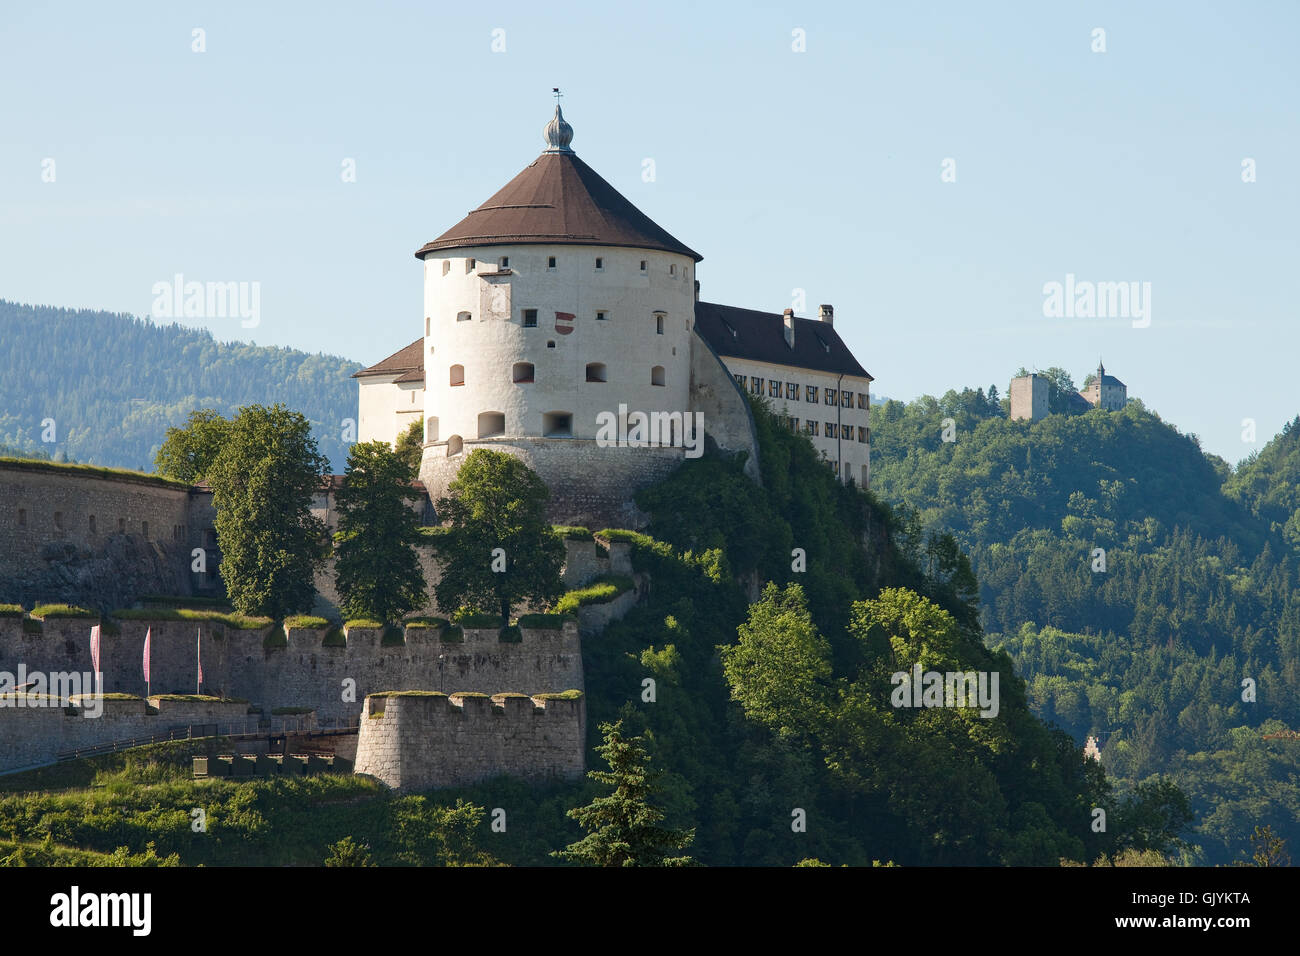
148	634
94	648
199	655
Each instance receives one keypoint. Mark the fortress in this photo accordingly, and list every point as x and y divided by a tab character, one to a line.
557	307
561	325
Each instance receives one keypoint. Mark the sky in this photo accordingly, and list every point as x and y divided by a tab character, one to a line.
928	170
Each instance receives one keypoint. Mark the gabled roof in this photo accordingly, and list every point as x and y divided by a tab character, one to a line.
760	337
558	199
401	363
1111	380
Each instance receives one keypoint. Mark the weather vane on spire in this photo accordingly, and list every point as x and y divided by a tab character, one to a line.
555	91
558	134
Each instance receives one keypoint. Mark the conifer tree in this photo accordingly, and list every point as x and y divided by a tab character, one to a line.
623	827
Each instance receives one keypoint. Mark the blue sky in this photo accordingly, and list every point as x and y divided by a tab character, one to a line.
816	170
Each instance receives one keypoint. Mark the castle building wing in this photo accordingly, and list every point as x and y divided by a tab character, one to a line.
760	337
407	364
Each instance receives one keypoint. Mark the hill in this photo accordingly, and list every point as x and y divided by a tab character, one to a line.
113	383
1146	591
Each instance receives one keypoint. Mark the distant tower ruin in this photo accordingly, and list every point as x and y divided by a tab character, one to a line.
1029	398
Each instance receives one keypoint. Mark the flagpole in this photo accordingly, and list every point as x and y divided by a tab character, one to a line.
198	660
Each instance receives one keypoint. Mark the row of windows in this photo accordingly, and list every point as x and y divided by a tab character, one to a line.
528	318
832	429
558	424
523	373
503	262
178	530
791	389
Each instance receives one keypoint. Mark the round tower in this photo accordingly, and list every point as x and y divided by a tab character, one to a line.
553	313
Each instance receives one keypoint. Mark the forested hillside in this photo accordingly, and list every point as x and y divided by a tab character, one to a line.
113	384
1146	591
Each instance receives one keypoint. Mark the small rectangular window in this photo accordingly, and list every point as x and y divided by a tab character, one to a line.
810	392
830	429
643	265
740	380
774	388
830	396
469	266
756	385
846	399
600	263
446	266
791	389
530	318
862	399
672	269
812	427
862	434
601	316
504	262
550	262
659	324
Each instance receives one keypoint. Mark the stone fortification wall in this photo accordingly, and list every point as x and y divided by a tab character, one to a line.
303	671
418	742
93	537
728	421
32	735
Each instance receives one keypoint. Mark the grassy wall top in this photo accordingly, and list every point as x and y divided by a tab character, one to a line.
603	589
91	471
306	620
62	610
197	699
562	695
407	693
239	622
573	532
11	610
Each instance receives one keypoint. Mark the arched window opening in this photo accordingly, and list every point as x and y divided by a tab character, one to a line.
595	371
491	424
458	375
523	372
431	428
657	375
557	425
454	446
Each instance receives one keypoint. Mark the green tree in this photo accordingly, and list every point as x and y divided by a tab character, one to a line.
623	827
189	451
1267	849
263	482
377	570
410	447
497	502
779	668
348	852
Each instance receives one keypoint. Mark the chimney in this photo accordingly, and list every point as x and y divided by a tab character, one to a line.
826	313
787	319
697	290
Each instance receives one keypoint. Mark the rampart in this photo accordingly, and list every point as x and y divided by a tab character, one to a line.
95	537
41	728
421	741
325	670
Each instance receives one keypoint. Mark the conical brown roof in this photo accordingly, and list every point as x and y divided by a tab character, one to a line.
558	199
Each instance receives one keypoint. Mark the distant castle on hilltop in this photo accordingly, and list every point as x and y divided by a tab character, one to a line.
1029	395
563	326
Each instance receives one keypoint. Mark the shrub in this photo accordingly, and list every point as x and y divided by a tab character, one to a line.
477	619
44	611
542	622
306	620
600	591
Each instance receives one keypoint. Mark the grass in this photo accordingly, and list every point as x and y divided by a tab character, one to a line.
306	620
462	694
240	622
572	532
438	622
625	536
11	610
600	591
562	695
197	699
27	464
542	622
410	693
44	611
362	622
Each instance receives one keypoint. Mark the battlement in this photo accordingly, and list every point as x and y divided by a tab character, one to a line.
421	740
